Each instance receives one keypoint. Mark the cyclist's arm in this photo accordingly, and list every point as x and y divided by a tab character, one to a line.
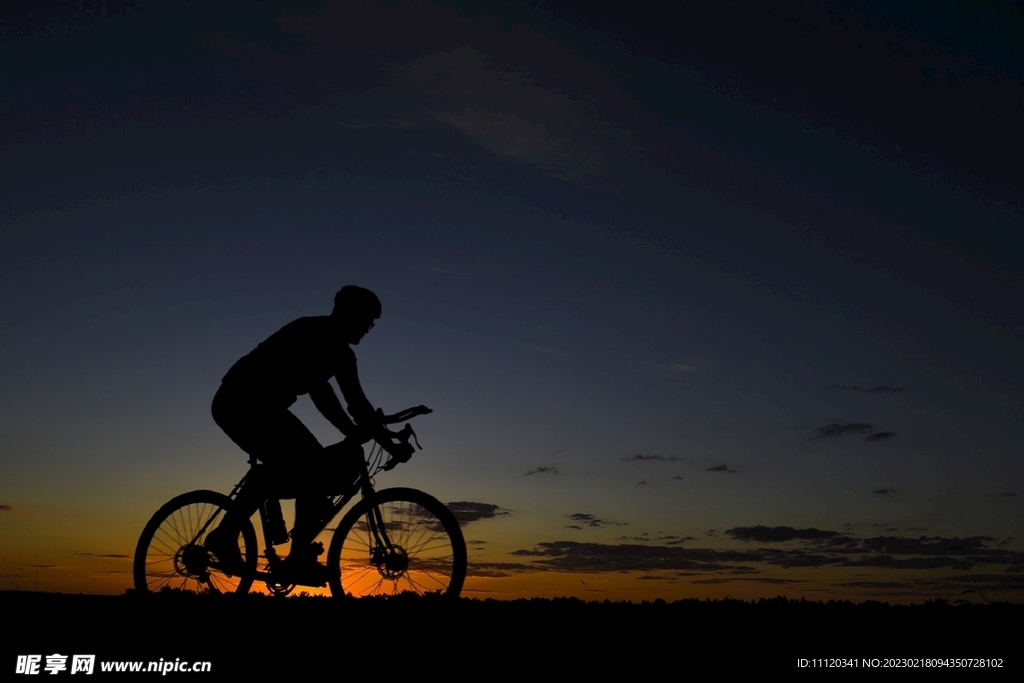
359	407
362	411
326	401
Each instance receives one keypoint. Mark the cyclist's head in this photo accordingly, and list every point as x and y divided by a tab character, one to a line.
357	309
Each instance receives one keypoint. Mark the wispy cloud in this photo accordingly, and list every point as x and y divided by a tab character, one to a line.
885	389
879	436
383	123
675	540
721	468
467	511
815	548
6	508
592	521
834	430
505	112
544	470
674	368
435	269
778	534
680	368
550	351
656	458
497	570
886	491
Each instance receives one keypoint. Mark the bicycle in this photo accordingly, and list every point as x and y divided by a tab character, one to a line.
392	541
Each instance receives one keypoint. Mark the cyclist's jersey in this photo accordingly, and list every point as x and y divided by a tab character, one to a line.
301	356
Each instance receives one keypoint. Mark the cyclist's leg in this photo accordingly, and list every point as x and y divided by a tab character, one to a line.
278	439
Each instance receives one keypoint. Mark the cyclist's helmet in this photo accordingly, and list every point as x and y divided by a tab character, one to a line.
352	300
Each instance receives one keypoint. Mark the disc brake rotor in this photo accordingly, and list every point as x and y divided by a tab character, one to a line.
392	563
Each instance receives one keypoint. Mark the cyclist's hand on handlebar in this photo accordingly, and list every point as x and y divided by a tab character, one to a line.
401	451
398	446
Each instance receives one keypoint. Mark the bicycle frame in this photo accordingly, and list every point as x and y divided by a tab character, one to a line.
363	484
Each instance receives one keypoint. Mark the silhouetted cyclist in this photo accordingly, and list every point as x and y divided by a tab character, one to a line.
252	407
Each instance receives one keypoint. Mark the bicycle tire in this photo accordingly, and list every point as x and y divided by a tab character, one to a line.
420	528
170	552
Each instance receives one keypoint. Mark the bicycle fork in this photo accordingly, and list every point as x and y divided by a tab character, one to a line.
389	560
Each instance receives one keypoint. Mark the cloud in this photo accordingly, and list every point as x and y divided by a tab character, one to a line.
721	468
504	111
361	125
539	349
885	389
544	470
885	491
592	521
676	368
642	482
875	584
879	436
601	557
820	548
656	458
435	269
6	508
837	429
777	534
679	476
924	562
675	540
497	570
466	511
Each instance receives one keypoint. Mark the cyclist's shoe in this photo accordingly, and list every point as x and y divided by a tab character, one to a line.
301	567
223	543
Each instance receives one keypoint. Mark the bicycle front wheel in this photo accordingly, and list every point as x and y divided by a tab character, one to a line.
414	546
171	553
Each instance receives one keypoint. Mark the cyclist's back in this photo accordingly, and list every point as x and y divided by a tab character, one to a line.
301	356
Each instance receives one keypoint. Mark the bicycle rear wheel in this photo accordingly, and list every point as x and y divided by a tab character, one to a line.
171	552
424	552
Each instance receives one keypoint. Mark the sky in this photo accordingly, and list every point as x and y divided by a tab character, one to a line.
709	299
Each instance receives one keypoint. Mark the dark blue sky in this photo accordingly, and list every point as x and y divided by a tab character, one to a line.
702	232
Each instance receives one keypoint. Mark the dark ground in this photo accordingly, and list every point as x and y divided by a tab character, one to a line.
310	637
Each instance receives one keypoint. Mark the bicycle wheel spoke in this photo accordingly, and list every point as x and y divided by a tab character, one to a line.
416	588
171	554
420	549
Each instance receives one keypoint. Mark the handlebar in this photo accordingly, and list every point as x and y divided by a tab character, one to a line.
404	451
403	415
